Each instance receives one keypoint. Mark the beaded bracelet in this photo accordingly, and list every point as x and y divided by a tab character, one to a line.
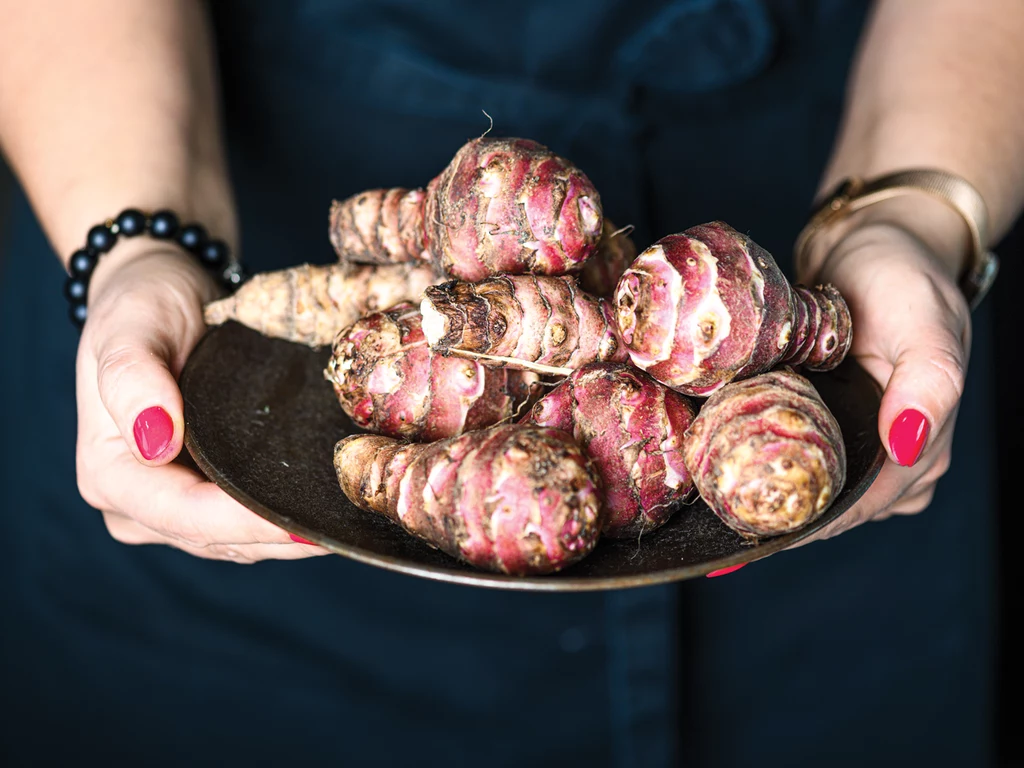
162	225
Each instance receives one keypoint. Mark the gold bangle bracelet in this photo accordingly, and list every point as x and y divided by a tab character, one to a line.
854	194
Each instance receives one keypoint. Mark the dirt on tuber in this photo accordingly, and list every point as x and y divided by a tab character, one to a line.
544	324
766	454
702	308
388	381
502	206
632	428
310	304
512	499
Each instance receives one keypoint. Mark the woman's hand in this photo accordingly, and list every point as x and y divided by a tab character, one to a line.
911	332
145	316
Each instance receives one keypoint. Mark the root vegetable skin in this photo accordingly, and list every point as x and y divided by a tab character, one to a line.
632	428
602	271
388	381
511	499
502	206
766	454
527	321
309	304
699	309
380	226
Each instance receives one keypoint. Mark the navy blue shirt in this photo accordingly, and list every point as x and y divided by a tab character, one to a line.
871	648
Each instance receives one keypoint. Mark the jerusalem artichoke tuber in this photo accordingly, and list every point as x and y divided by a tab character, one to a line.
513	499
389	381
699	309
310	304
766	454
502	206
601	272
380	226
632	428
537	323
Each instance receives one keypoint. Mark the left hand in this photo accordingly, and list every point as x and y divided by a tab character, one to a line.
911	332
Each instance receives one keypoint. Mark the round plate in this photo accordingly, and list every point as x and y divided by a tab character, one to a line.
261	422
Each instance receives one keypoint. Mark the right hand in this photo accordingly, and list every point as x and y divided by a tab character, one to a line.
145	316
912	334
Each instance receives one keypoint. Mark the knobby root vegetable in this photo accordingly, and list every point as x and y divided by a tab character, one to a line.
545	324
389	381
632	428
502	206
310	304
601	272
699	309
380	226
513	499
766	454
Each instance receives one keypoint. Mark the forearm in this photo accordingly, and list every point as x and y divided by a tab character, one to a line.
107	104
936	85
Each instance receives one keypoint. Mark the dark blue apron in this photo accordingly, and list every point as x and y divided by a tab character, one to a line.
872	648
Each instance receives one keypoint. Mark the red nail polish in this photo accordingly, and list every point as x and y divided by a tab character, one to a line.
153	432
723	571
300	540
907	436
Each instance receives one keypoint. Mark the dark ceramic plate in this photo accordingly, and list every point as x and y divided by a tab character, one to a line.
261	422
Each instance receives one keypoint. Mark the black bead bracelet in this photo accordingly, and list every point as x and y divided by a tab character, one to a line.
162	225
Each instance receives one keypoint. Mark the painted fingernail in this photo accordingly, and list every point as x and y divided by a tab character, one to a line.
907	436
300	540
153	432
724	571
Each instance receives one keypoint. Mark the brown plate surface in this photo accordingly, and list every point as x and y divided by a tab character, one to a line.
261	422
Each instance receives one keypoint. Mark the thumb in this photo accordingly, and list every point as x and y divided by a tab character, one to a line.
141	395
923	391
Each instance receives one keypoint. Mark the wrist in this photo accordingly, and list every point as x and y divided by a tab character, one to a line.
931	222
142	257
200	194
883	247
159	234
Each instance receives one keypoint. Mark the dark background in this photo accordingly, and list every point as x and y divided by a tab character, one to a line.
1010	425
1010	372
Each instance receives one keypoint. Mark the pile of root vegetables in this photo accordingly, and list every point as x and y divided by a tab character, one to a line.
528	384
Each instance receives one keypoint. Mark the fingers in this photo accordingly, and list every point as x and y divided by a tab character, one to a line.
896	491
136	340
139	392
911	504
175	506
127	531
247	554
929	366
180	505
